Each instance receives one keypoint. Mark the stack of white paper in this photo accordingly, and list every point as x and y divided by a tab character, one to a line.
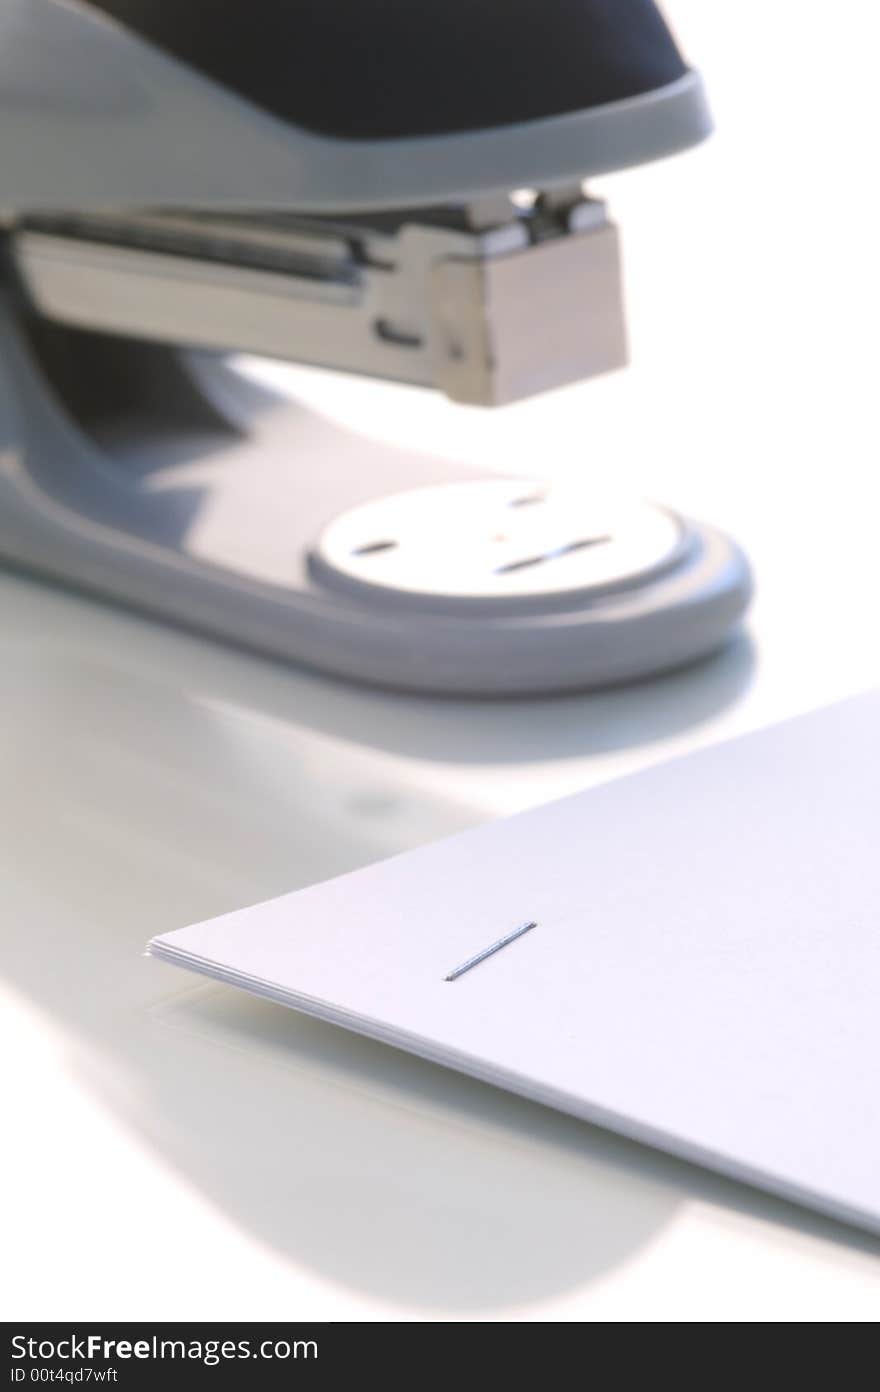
703	973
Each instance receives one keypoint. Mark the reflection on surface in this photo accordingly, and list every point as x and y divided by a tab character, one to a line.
396	1175
153	780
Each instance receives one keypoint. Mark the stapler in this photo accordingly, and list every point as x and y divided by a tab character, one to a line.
387	187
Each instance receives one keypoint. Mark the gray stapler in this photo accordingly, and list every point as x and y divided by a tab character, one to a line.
386	187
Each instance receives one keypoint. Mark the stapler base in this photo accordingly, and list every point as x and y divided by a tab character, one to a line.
174	483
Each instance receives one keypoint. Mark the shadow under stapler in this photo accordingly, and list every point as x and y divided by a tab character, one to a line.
159	780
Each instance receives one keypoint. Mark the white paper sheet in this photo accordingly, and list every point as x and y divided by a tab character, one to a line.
704	973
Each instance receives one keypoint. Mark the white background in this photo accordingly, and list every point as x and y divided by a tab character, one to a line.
174	1149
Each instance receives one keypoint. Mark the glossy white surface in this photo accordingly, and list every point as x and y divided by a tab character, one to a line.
179	1150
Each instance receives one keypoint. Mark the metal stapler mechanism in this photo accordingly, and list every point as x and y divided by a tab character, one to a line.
383	187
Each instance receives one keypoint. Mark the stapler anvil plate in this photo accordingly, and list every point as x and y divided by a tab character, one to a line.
396	191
